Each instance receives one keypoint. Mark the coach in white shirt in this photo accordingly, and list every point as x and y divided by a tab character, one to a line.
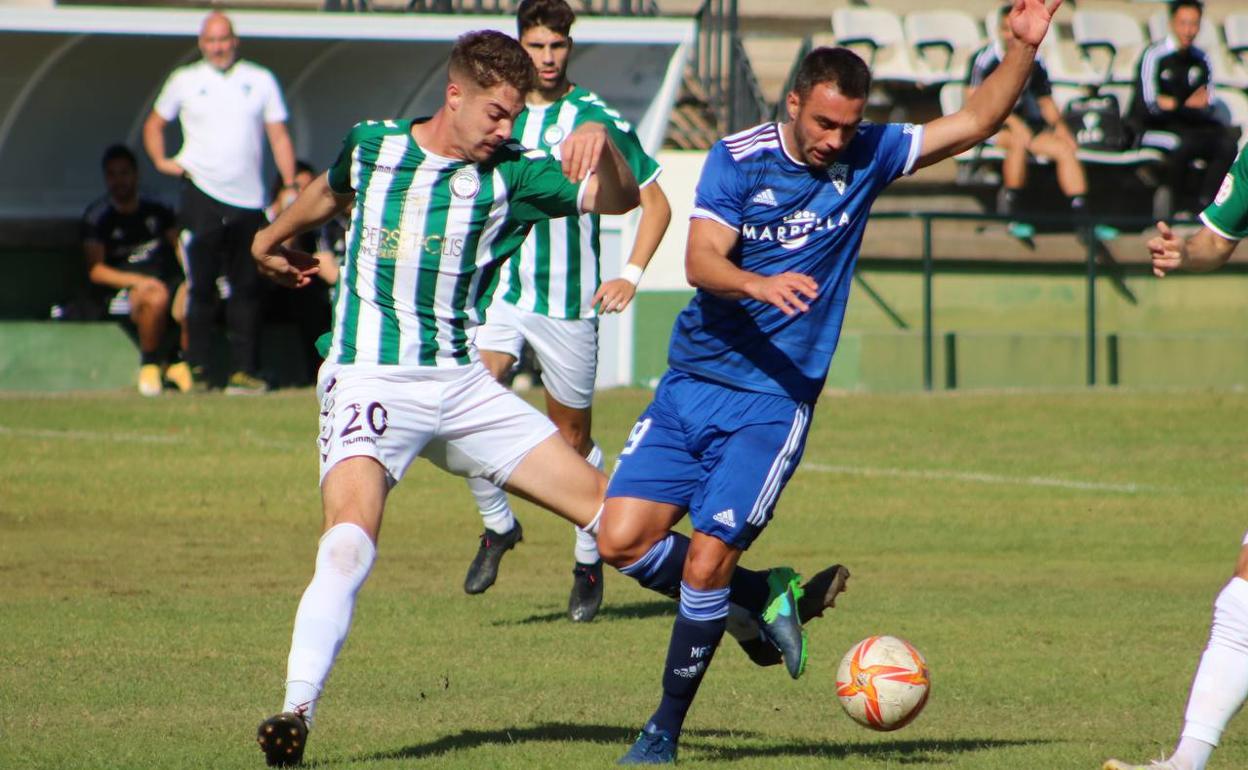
226	107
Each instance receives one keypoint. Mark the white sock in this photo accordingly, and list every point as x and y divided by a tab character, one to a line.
343	559
492	503
1221	682
586	550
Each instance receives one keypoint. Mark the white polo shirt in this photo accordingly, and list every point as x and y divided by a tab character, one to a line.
223	116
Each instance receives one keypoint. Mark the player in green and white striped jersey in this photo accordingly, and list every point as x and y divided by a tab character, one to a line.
551	295
440	204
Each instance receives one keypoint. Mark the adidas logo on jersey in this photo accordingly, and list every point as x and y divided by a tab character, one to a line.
766	197
726	518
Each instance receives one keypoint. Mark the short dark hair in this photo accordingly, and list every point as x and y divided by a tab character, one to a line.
301	167
1175	5
118	152
489	57
839	67
555	15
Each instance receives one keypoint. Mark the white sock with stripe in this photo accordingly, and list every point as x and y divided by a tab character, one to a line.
343	559
492	503
586	550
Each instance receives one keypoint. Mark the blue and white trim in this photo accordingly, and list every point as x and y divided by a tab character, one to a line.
780	467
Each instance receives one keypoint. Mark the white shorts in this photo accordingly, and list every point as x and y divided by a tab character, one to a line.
567	348
459	419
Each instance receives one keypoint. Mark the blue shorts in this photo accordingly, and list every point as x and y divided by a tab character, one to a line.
722	454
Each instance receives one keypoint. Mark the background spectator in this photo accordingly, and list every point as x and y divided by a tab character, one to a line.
1172	96
308	308
129	243
1035	127
226	107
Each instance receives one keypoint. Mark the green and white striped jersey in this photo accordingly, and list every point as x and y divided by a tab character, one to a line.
1227	215
427	238
557	271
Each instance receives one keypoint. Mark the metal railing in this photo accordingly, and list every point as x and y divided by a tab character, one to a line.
1091	269
722	69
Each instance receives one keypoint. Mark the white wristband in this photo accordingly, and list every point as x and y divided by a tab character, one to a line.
631	273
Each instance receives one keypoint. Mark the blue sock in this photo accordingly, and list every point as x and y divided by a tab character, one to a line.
661	567
699	626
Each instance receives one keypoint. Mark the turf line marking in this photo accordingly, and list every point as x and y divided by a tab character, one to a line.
979	478
87	435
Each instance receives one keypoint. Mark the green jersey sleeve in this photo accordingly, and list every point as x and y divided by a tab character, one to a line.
645	168
1228	214
538	190
339	174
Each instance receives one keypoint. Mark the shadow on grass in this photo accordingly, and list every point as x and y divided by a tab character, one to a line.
920	751
549	731
633	611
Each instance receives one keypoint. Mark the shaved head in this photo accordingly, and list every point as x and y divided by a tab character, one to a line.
217	41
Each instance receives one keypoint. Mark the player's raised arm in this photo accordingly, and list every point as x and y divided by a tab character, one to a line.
612	188
987	108
314	206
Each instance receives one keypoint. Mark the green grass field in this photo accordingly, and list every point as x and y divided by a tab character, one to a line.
1054	555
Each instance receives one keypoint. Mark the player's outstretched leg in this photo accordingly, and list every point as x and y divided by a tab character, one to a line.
586	596
660	565
1221	683
818	594
502	532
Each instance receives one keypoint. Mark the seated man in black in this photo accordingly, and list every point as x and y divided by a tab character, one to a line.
1172	96
130	243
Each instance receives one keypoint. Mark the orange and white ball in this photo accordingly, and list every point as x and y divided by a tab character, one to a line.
883	683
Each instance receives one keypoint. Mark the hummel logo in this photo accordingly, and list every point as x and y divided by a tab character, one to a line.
726	518
689	672
766	197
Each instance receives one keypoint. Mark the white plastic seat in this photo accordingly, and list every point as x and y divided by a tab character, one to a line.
1233	104
942	43
877	36
1061	57
1110	41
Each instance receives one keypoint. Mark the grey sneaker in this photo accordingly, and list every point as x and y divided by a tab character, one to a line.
586	596
484	568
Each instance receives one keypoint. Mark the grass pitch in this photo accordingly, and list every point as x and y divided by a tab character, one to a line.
1053	555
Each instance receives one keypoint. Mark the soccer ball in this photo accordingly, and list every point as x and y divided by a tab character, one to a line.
883	683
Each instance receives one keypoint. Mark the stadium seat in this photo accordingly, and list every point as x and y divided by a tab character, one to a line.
1232	103
877	36
943	42
1111	43
1227	71
1236	28
1061	56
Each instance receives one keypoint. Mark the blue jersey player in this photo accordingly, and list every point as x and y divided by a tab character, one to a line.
778	220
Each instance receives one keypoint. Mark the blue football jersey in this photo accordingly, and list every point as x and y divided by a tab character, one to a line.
789	218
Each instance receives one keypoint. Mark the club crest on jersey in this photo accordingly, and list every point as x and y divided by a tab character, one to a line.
839	174
1224	192
465	184
553	135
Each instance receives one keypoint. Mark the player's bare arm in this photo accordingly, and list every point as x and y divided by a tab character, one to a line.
708	267
988	105
656	214
287	266
611	189
1204	251
154	143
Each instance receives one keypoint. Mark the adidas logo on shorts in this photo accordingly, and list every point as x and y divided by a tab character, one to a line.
726	518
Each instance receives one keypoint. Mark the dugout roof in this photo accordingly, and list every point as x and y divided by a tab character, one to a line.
74	80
